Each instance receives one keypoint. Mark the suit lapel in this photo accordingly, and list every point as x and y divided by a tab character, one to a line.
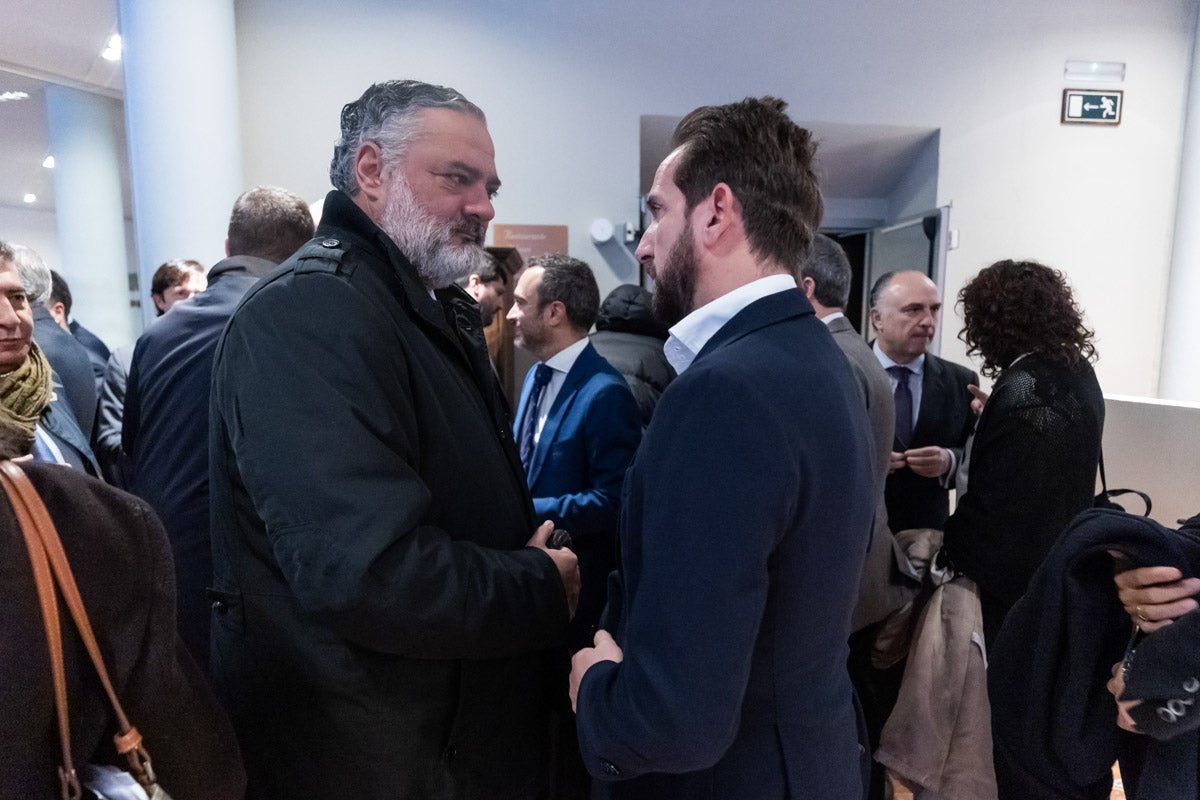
581	370
933	390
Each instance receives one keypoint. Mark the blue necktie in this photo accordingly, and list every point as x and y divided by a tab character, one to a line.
904	407
541	377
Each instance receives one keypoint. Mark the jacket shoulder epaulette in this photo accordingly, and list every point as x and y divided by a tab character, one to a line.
322	254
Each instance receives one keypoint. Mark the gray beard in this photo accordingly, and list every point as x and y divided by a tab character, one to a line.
426	241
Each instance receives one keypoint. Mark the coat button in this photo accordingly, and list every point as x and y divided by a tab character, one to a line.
451	753
330	243
219	606
609	768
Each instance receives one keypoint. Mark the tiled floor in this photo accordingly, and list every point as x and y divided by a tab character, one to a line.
1117	794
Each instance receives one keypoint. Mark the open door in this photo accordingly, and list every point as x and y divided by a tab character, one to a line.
915	243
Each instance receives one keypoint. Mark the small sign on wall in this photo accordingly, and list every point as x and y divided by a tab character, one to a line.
531	240
1092	107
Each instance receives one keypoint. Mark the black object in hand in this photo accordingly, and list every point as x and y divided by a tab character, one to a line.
558	540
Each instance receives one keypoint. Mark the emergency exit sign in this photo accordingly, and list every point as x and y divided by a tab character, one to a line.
1091	107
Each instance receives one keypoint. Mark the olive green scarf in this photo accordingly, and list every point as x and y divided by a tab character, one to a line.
24	394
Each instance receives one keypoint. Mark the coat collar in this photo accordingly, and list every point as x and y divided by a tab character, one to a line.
765	311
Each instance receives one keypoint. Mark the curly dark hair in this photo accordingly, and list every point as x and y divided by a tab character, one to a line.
1017	307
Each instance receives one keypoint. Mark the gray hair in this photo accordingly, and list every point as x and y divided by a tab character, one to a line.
829	269
34	274
881	283
386	114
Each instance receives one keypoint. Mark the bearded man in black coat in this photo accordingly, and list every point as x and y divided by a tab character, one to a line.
384	626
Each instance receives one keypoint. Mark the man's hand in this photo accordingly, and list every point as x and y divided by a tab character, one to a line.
605	650
895	462
930	462
566	561
981	398
1154	596
1116	687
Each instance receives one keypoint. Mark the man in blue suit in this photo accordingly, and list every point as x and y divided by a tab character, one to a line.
720	671
577	426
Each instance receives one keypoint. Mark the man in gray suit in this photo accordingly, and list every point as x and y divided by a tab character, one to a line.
825	278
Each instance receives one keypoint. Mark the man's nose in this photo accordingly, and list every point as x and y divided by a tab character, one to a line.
480	205
8	315
645	249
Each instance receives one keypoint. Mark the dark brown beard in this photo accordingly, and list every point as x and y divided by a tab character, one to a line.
675	282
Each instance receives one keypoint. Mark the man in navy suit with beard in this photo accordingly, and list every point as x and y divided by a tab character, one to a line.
720	669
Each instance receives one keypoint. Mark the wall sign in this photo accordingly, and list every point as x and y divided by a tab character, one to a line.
1092	107
531	240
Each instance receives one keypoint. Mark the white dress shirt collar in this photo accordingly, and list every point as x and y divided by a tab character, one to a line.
691	333
561	362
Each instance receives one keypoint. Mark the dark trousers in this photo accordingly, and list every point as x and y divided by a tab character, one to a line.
877	692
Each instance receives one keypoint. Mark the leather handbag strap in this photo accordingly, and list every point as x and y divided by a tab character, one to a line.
22	494
44	581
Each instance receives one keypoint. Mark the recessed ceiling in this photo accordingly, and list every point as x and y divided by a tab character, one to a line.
44	42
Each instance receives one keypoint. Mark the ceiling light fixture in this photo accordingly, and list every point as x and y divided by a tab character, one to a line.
30	197
49	162
6	96
112	50
1096	71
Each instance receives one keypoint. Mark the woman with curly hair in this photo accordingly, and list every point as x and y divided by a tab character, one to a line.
1031	465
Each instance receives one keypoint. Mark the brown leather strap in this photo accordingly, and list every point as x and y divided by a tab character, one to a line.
49	605
21	492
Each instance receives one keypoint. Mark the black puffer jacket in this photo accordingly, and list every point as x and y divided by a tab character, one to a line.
631	339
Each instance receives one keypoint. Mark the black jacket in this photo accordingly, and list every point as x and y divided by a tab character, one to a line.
122	565
1054	725
630	339
381	631
72	367
165	429
1032	469
945	419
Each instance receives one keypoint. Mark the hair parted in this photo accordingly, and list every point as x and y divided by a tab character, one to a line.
571	282
1015	307
269	223
767	160
173	273
829	269
386	114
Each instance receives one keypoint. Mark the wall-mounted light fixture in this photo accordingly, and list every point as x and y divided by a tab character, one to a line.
30	197
1094	71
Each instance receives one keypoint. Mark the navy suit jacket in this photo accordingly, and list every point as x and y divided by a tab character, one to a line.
740	555
165	430
576	472
945	419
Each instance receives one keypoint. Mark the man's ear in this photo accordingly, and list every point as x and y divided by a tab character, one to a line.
558	312
720	213
809	286
368	170
59	312
875	317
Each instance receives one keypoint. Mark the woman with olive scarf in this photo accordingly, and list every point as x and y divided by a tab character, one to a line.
122	564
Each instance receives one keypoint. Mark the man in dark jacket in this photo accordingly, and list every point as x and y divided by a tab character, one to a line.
69	359
165	421
384	624
630	338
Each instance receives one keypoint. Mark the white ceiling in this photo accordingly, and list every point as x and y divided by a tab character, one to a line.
47	41
60	41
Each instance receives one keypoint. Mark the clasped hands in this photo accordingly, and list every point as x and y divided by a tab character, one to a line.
929	462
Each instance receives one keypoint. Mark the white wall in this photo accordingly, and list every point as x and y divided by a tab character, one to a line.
564	85
33	227
1151	445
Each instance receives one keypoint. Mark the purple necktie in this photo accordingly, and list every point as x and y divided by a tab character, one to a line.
541	377
904	407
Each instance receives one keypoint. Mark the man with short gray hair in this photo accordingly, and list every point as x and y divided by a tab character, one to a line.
384	624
